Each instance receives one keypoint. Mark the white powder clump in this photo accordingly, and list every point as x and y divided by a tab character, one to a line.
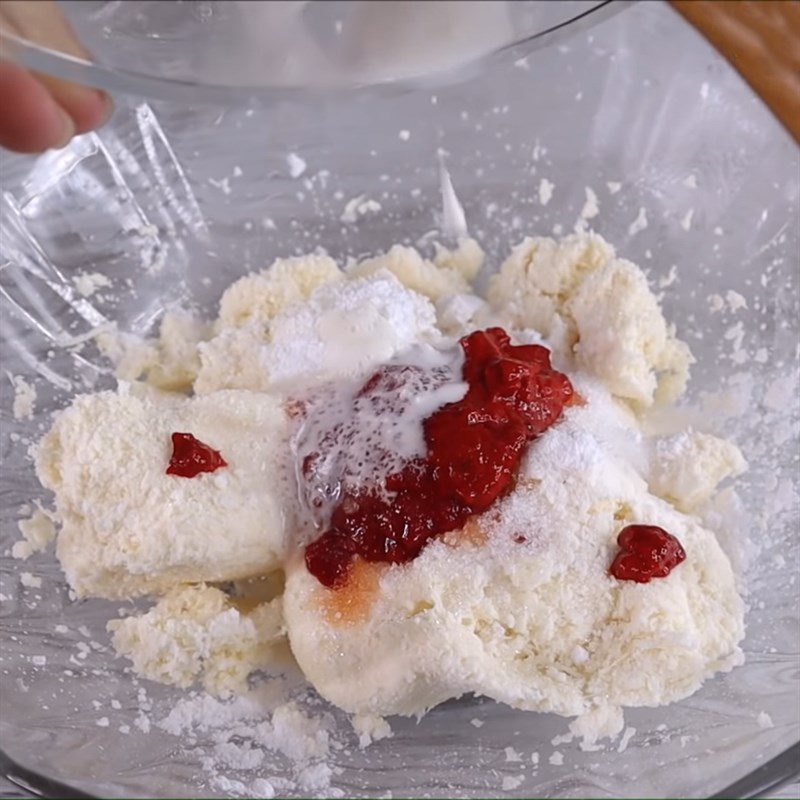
358	207
764	720
511	782
345	328
639	224
545	191
613	186
251	729
24	397
591	208
87	283
556	759
512	755
715	303
735	300
30	581
296	165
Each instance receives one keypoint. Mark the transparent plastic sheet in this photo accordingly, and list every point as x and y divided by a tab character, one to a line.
172	203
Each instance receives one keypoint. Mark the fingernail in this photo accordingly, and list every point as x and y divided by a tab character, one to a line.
108	107
68	131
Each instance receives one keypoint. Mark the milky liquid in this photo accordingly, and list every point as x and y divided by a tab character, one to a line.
349	441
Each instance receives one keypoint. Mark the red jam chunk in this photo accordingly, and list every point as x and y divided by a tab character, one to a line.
190	457
473	450
646	552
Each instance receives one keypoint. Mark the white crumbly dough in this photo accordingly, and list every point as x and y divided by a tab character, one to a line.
466	258
176	360
170	362
24	397
259	297
687	468
233	360
415	635
519	606
341	328
582	297
37	532
196	633
130	529
434	280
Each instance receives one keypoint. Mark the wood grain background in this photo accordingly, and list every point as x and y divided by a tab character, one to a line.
761	38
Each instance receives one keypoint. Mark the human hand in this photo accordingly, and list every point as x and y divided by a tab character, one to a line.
41	112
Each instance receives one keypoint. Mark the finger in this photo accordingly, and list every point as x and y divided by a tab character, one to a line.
32	121
89	108
43	23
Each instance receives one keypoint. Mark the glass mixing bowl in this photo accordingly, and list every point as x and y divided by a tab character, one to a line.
695	181
226	50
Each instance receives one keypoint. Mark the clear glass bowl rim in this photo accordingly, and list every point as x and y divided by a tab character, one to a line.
68	67
763	779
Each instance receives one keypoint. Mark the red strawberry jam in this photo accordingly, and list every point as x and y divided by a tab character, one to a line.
473	448
190	457
646	552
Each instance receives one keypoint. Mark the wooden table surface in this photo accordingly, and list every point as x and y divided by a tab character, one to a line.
761	38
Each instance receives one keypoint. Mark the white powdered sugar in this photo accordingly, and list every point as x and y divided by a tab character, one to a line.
345	328
268	729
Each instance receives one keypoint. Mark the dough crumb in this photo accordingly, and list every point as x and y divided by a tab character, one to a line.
370	728
196	633
24	398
